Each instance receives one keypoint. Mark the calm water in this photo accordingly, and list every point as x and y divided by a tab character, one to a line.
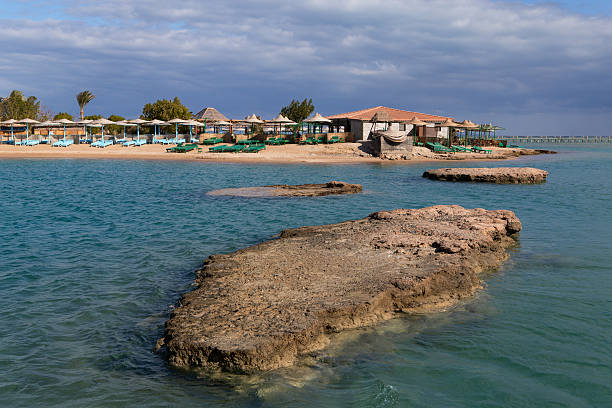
94	254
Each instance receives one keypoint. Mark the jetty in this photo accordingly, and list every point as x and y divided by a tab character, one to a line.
518	140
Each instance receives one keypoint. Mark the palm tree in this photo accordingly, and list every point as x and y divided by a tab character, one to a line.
83	98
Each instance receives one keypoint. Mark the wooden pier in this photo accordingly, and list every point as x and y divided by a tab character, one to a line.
517	140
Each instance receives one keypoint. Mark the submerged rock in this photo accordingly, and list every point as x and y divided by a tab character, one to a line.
499	175
286	190
262	307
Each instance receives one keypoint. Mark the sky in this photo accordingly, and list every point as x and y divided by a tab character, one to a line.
532	67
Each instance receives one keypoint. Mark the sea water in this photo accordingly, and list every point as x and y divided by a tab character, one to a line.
94	255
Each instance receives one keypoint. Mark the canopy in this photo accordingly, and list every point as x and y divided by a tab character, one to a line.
27	120
47	123
157	122
84	121
417	122
125	123
449	123
65	121
177	120
317	118
253	119
9	122
103	121
138	121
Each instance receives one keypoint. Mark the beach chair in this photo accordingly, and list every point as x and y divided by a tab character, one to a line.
272	141
333	139
32	142
478	149
128	143
308	141
461	149
140	142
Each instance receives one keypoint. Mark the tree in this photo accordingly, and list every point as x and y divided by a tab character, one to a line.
115	129
83	98
165	109
63	115
297	111
17	106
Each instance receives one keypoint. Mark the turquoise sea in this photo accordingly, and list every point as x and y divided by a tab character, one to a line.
94	255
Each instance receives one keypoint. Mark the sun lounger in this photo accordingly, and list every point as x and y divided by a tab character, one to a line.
129	143
32	142
334	139
254	148
478	149
438	148
140	142
212	141
309	140
461	148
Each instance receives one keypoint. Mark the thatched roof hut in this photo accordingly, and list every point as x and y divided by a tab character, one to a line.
210	114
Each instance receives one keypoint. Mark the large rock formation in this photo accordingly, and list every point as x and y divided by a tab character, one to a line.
499	175
286	190
261	307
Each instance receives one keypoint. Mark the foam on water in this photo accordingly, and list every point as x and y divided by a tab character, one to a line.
95	254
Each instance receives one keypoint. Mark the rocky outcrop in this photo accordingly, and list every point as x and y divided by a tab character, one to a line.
262	307
499	175
286	190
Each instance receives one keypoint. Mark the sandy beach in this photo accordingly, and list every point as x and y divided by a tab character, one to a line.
335	153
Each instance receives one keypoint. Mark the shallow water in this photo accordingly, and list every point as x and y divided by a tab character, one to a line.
95	254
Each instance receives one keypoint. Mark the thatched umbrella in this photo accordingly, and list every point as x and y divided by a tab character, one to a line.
102	122
85	122
210	115
65	122
139	122
125	123
415	122
28	122
157	127
12	123
176	122
317	119
48	125
450	125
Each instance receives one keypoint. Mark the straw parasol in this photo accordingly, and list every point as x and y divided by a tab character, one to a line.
253	119
12	123
101	122
28	121
48	124
317	118
125	123
65	122
176	122
211	115
449	124
138	122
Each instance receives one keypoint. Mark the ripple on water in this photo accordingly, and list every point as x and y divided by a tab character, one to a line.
95	253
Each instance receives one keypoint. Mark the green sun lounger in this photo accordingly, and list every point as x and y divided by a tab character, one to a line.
460	148
478	149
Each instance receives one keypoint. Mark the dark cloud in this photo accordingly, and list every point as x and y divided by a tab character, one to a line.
485	60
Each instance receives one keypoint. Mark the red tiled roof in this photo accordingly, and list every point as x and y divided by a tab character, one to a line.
395	114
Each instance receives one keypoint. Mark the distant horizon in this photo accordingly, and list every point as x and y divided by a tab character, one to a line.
530	66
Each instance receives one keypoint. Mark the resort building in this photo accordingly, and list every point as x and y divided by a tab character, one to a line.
360	124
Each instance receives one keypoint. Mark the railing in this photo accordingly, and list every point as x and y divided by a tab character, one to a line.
555	139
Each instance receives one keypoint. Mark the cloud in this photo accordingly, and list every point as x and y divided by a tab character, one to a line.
466	58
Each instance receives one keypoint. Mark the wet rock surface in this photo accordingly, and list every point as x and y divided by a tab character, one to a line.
286	190
499	175
264	306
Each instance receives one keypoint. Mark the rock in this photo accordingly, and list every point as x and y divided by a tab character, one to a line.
499	175
286	190
262	307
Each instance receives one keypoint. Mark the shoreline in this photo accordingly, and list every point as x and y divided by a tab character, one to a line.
348	153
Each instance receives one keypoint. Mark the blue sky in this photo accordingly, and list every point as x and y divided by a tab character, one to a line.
534	67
